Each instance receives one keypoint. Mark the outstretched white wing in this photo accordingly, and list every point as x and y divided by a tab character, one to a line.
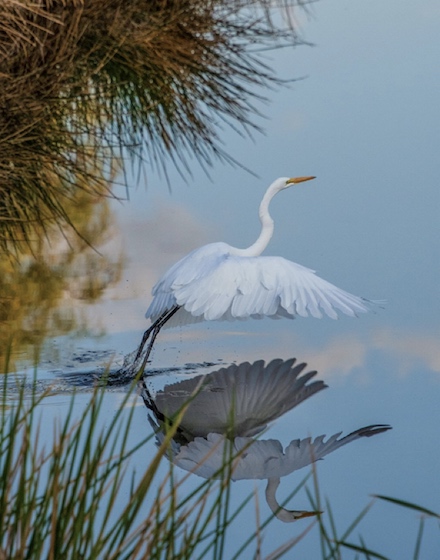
200	263
214	284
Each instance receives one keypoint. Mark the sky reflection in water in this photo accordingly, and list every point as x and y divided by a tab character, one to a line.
365	122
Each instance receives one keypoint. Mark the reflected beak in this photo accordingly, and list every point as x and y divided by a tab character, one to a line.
303	514
299	180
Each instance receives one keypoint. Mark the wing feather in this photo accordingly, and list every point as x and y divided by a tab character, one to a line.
212	283
259	459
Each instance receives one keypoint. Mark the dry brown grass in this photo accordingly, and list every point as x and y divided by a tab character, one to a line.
83	81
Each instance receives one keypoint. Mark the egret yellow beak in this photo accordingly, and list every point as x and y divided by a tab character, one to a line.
299	180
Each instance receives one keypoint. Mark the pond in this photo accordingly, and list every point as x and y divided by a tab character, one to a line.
365	122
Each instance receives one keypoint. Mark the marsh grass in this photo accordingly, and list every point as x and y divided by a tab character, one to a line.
63	488
334	543
74	489
85	82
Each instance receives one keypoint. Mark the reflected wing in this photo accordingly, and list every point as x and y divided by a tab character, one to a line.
260	459
242	398
239	288
300	453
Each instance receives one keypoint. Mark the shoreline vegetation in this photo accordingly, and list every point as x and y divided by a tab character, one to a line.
81	494
87	85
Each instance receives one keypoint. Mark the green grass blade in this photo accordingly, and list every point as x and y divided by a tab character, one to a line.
365	551
409	505
419	539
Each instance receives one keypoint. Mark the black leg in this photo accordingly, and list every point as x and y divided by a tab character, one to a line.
151	329
154	331
150	347
150	404
143	341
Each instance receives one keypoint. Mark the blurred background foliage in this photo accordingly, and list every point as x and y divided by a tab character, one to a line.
42	283
85	81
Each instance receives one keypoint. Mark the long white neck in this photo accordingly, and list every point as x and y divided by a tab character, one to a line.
286	515
266	225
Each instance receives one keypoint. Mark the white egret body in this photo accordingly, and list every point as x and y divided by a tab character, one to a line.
220	282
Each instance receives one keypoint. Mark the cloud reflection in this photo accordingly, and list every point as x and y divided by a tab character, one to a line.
410	349
228	408
152	245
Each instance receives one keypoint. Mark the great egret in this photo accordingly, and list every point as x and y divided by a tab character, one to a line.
220	282
225	409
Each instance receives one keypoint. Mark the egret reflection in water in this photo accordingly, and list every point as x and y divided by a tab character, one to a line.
227	408
219	282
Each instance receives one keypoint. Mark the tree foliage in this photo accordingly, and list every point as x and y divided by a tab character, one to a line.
85	81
